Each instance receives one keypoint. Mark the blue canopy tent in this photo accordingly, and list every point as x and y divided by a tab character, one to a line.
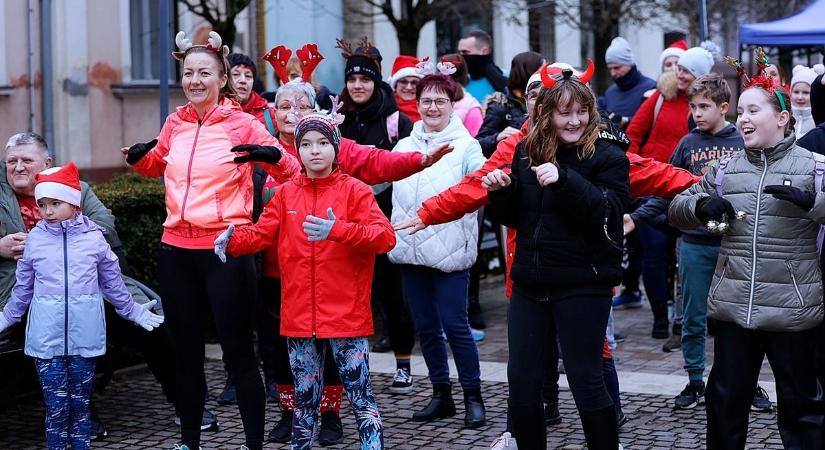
803	29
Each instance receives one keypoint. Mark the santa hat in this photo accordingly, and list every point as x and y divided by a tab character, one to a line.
536	76
802	74
59	183
676	49
700	60
404	66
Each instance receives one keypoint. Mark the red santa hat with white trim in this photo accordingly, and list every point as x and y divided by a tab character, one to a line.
59	183
404	66
676	49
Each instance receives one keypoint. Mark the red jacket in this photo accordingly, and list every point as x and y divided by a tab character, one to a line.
325	284
366	163
671	125
647	177
256	105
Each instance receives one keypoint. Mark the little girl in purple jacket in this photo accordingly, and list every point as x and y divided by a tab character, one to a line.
66	269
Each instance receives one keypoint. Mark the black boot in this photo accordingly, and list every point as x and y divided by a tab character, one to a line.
600	428
474	412
661	324
282	432
332	431
441	405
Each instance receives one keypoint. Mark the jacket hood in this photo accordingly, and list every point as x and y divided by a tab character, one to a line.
454	130
78	225
254	104
215	114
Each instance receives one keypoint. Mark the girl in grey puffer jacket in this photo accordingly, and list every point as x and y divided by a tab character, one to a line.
766	292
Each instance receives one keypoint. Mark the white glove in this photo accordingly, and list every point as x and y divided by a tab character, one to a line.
222	241
146	318
4	323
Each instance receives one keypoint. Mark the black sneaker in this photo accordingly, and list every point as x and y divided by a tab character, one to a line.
551	414
282	431
208	423
621	419
761	401
229	396
382	345
402	383
98	430
332	431
693	394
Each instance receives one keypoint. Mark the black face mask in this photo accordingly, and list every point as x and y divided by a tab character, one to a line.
477	64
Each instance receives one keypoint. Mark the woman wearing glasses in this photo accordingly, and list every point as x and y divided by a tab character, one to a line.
435	261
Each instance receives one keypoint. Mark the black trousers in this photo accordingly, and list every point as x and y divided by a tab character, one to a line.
579	322
395	312
192	282
738	355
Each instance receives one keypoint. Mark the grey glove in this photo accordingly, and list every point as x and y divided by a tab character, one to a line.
146	318
317	228
222	241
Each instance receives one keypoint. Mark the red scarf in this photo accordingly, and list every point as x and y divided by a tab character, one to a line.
408	107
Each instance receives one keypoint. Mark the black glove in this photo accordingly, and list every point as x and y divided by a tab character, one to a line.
712	208
798	197
258	153
138	151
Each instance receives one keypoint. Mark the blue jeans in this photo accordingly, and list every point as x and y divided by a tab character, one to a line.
438	302
696	266
306	359
653	245
67	386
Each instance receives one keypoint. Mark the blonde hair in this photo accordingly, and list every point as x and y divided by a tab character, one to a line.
542	143
293	65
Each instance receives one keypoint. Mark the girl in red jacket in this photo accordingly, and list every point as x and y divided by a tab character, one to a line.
328	229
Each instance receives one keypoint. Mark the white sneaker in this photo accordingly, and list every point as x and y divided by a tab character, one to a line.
504	442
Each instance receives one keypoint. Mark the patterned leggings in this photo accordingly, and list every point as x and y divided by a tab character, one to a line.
67	385
306	358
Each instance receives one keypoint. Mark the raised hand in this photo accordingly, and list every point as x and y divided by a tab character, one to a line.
413	224
547	173
136	152
800	198
257	153
712	208
495	180
317	228
429	160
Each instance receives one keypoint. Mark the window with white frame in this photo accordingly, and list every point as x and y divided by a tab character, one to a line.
144	40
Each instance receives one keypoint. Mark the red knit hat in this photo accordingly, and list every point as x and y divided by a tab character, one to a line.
59	183
404	66
675	49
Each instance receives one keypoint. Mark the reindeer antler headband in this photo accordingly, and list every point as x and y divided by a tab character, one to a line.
214	43
425	67
308	56
552	75
760	79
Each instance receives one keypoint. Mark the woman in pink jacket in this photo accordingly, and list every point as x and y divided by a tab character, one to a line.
208	188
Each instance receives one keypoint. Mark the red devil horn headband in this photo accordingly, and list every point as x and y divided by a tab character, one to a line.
550	75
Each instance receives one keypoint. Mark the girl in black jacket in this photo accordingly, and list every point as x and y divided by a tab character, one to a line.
565	196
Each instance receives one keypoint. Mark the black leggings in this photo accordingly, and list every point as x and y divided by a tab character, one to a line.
192	282
395	313
579	321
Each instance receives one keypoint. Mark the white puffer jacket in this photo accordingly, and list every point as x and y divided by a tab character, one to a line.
447	247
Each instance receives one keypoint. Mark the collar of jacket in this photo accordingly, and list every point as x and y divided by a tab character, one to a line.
329	180
774	152
216	113
454	130
254	104
78	225
630	79
381	105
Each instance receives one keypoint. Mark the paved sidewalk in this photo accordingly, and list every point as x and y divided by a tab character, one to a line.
138	418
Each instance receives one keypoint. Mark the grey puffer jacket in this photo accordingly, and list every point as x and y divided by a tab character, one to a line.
767	276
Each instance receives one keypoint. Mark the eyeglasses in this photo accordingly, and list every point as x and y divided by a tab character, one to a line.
288	108
404	81
439	103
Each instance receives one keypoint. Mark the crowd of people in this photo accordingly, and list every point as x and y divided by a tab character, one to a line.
293	214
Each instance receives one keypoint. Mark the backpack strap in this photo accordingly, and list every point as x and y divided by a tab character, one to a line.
392	126
720	175
269	125
819	173
659	102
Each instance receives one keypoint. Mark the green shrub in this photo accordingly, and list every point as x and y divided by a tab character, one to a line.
139	207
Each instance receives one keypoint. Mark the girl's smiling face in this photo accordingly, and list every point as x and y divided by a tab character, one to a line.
759	121
570	122
801	95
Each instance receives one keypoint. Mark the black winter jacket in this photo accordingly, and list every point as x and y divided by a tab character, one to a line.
562	243
500	115
368	125
814	140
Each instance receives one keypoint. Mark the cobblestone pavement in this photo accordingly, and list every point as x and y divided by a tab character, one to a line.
138	418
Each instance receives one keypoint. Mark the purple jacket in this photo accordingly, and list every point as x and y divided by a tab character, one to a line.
65	271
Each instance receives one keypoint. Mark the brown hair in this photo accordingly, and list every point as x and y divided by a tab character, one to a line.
438	83
773	100
523	66
228	90
541	143
293	65
712	86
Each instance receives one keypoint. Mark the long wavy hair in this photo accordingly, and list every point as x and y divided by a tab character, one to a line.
542	143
